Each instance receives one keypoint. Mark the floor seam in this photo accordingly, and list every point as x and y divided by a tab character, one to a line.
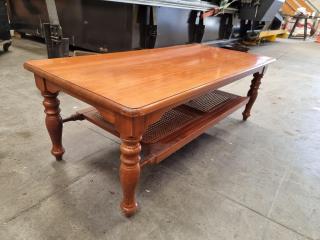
245	206
92	130
8	220
264	216
285	174
281	55
103	135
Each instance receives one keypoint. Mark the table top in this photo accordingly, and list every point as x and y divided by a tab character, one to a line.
139	80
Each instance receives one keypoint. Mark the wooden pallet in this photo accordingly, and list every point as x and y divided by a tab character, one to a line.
271	35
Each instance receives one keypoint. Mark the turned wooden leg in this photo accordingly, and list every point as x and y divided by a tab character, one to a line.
252	94
129	173
54	123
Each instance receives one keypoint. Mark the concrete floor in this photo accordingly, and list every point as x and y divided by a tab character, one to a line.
256	180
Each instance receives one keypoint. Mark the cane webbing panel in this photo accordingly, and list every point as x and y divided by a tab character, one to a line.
210	101
170	122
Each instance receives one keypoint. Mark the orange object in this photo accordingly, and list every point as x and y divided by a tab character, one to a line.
318	39
211	12
157	100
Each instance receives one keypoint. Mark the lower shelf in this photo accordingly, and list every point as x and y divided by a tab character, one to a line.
178	126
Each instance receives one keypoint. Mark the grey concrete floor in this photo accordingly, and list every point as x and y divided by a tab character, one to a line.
256	180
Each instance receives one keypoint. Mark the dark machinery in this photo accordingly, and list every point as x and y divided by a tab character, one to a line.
263	10
57	45
108	26
5	38
259	15
121	25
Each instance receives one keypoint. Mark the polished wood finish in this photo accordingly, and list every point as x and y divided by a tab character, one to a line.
157	151
167	142
155	101
53	119
129	173
112	81
54	123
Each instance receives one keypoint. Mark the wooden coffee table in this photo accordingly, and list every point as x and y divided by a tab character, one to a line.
155	101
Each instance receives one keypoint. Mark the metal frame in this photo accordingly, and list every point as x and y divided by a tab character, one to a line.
183	4
57	45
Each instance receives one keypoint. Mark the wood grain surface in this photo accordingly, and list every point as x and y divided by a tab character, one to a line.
140	79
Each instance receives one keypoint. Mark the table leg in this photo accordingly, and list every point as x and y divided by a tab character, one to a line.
53	122
294	27
252	94
305	28
129	173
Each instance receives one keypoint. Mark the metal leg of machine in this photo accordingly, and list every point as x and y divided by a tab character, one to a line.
57	45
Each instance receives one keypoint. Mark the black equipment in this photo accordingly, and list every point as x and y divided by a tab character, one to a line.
5	38
263	10
119	25
259	15
57	45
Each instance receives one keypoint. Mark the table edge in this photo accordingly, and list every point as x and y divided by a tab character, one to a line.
100	101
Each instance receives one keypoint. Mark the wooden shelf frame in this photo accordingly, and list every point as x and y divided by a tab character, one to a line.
156	100
178	126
